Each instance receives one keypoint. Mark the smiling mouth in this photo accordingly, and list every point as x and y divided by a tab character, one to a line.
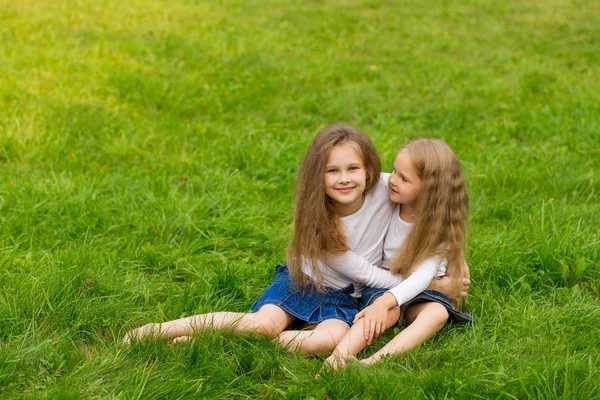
393	191
345	190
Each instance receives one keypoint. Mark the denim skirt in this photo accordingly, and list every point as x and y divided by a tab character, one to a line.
307	303
371	294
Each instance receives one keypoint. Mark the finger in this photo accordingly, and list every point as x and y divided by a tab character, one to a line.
359	316
366	329
381	329
371	333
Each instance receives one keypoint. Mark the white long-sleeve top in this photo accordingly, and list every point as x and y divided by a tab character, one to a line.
365	231
421	277
374	233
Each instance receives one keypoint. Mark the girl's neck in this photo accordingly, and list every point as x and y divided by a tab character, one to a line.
407	213
344	210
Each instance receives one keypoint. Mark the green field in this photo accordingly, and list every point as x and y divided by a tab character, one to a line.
149	152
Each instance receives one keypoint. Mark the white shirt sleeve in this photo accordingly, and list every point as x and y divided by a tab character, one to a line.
358	269
417	281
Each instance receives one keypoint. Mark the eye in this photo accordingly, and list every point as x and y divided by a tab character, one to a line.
331	170
354	168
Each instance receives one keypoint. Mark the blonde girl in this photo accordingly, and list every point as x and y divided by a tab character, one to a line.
427	235
342	213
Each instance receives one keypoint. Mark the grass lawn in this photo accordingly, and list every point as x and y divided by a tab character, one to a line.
149	150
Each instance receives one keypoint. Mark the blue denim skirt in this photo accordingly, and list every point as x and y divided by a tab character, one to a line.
307	303
371	294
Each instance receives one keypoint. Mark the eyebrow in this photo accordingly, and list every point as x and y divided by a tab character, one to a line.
350	164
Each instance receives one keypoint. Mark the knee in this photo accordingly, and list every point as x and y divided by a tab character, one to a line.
269	325
323	342
392	317
336	337
268	328
438	315
318	345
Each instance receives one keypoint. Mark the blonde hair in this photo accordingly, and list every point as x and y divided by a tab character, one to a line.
317	228
441	212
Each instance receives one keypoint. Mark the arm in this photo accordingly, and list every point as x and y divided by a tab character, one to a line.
453	292
416	282
375	315
358	269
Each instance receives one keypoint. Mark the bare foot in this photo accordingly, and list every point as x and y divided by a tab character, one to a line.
367	362
334	363
370	361
148	330
182	339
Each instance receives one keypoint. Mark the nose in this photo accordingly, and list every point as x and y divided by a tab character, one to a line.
344	177
392	180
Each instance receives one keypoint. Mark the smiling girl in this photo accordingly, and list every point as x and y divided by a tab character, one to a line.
425	238
342	214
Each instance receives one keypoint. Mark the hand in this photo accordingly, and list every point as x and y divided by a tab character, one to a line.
376	316
466	281
446	286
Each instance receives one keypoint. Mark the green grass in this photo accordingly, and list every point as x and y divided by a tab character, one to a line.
149	150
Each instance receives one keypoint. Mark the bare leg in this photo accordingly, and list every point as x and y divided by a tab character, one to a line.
269	321
322	339
425	319
354	341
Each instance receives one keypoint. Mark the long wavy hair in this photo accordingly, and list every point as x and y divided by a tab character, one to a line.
317	228
441	212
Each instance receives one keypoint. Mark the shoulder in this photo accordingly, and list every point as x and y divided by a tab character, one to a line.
384	179
378	200
380	191
382	186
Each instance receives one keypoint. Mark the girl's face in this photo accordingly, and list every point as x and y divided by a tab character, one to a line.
405	184
345	179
